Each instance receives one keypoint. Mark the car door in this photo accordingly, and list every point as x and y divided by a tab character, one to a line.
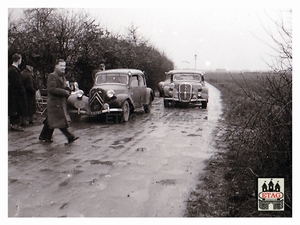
135	90
143	89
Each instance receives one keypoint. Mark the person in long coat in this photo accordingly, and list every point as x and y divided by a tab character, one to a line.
30	88
17	105
57	115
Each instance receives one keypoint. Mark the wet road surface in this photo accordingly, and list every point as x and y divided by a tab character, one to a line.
143	168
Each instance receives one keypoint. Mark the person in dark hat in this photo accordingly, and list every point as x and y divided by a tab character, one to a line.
30	89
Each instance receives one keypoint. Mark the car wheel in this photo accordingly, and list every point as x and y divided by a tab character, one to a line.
204	105
166	103
174	104
147	108
125	112
75	117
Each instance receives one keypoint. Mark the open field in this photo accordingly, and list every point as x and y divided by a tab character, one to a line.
255	142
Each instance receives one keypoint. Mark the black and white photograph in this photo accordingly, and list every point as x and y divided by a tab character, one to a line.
149	111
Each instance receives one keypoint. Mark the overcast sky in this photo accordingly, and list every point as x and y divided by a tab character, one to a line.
200	37
231	38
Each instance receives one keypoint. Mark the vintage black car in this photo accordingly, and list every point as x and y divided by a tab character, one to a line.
118	91
186	87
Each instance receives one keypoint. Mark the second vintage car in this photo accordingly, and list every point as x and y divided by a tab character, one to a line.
118	91
186	87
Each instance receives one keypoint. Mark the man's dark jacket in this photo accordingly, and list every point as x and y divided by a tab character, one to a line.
30	89
17	105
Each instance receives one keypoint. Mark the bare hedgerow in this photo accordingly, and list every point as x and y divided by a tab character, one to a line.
257	141
261	143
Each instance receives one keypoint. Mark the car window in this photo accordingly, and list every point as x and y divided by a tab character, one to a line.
187	77
142	81
134	81
112	78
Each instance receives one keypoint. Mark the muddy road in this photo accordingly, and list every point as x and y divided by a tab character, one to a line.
143	168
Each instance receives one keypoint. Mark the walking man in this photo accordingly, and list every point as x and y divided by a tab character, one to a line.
57	115
17	105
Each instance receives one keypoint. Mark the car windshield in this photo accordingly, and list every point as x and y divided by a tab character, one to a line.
112	78
187	77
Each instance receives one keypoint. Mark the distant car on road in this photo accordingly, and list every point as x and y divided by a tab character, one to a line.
186	87
118	91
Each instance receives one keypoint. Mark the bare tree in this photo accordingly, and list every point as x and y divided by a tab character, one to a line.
262	139
281	40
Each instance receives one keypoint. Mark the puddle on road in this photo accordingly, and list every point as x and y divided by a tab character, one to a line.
19	153
64	205
194	135
167	182
141	149
96	162
74	172
118	147
122	141
64	183
46	170
13	180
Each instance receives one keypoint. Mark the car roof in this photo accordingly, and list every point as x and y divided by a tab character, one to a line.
185	71
125	71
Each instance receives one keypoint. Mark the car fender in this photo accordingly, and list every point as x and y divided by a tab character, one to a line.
161	85
150	95
74	101
204	93
166	90
120	99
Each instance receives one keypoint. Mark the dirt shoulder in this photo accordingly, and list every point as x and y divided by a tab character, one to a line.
210	199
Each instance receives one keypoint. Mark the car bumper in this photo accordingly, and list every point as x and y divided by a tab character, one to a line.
94	113
186	101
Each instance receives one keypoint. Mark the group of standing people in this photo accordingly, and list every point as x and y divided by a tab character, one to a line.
21	94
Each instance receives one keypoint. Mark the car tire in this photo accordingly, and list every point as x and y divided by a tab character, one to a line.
166	103
204	105
125	112
147	108
75	117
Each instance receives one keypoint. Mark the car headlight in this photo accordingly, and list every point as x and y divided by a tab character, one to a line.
110	93
172	86
199	86
79	94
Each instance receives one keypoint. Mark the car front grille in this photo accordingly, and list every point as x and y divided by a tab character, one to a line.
185	92
96	99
